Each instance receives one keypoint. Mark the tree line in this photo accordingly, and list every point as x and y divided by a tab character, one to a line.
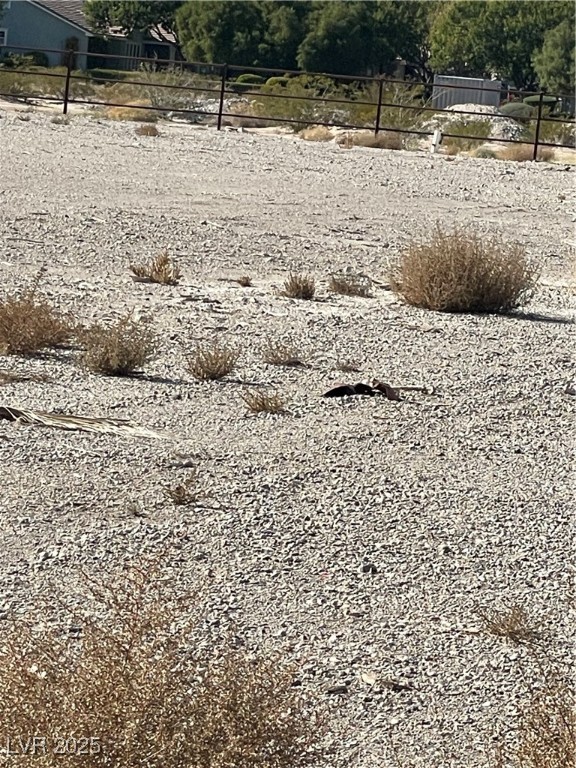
527	42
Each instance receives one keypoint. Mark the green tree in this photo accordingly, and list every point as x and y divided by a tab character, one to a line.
495	36
284	26
220	32
554	63
133	15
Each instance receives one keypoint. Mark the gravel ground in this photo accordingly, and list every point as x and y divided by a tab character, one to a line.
357	536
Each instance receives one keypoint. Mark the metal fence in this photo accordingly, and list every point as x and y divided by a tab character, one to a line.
221	84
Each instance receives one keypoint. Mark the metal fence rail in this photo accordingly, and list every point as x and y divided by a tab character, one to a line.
225	86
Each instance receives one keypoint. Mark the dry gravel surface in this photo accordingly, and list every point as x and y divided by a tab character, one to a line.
359	535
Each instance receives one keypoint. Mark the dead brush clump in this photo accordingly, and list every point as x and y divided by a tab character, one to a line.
29	324
282	353
121	349
187	493
522	153
382	140
512	623
211	362
299	286
258	401
147	129
245	281
160	270
350	285
459	271
316	133
125	681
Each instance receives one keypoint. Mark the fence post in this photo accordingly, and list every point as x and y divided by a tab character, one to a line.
538	121
69	60
222	91
379	107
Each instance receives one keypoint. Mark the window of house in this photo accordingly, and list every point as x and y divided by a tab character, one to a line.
3	37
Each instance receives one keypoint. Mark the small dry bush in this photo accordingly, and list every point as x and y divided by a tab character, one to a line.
512	623
316	133
160	270
349	285
349	366
212	362
126	684
382	140
29	323
522	153
121	349
60	120
281	353
245	281
264	402
133	112
299	286
186	493
13	377
460	271
147	129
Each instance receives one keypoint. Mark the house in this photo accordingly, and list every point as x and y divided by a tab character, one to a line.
54	26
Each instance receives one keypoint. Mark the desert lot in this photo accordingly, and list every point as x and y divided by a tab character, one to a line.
358	537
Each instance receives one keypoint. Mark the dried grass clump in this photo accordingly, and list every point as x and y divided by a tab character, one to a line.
212	362
160	270
147	129
382	140
349	285
512	623
281	353
299	286
186	493
29	323
245	281
522	153
125	682
133	112
121	349
460	271
316	133
60	120
264	402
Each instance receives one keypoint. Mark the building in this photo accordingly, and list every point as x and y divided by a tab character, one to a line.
54	26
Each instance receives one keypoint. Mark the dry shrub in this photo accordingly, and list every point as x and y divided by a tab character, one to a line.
13	377
29	323
316	133
147	129
513	623
281	353
160	270
212	362
350	285
186	493
299	286
121	349
349	366
460	271
132	112
124	683
60	120
523	153
245	281
382	140
264	402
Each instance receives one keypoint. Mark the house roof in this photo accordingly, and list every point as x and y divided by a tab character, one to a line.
69	10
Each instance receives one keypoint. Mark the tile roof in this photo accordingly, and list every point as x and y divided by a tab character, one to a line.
70	10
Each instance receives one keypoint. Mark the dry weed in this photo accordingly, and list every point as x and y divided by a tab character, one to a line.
28	324
123	682
522	153
280	353
133	112
382	140
160	270
212	362
513	623
121	349
264	402
349	366
60	120
460	271
349	285
13	377
245	281
299	286
186	493
316	133
147	129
